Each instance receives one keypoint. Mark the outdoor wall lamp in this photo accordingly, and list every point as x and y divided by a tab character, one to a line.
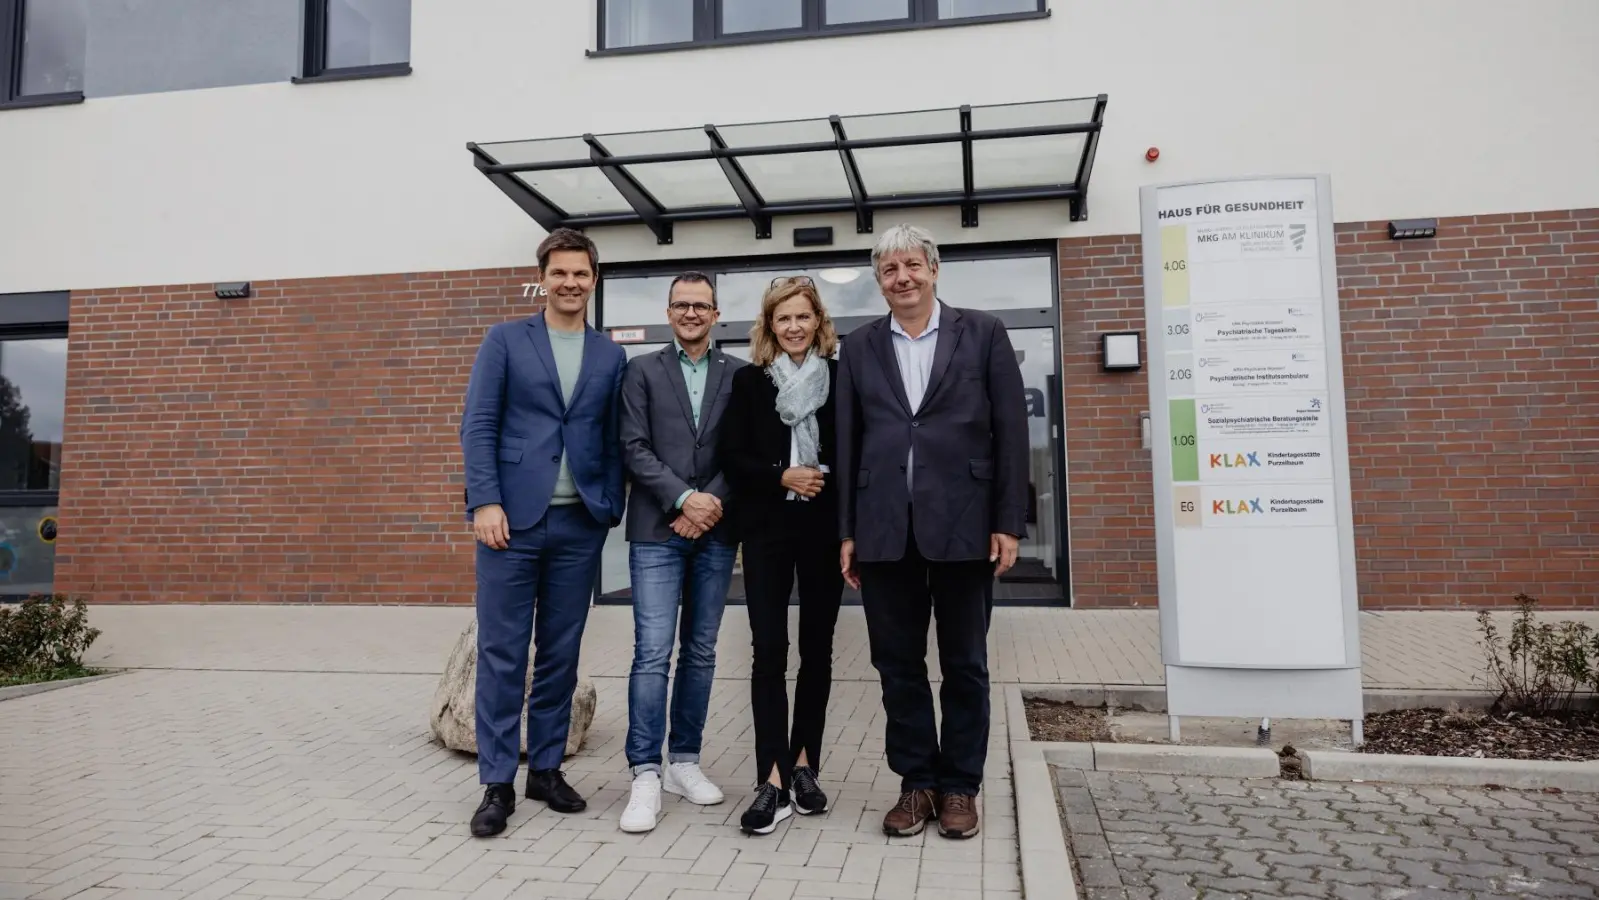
233	290
1407	229
1119	351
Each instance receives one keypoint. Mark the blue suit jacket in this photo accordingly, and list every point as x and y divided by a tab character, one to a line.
517	423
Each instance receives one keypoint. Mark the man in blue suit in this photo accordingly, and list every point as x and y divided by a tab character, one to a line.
543	487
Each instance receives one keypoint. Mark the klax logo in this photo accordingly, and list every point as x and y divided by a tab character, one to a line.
1296	233
1235	460
1236	507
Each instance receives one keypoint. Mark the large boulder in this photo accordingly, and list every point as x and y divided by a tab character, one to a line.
454	719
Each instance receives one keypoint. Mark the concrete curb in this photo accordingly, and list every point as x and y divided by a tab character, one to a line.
1045	861
1163	759
27	690
1152	698
1454	771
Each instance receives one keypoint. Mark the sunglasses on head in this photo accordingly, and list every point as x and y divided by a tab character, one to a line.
792	279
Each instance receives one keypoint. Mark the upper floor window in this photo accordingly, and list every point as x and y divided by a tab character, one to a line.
660	24
57	51
356	38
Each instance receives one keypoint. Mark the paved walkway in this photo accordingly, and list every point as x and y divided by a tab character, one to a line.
1153	837
1417	650
284	752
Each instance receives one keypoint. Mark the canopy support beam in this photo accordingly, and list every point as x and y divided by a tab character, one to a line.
969	206
548	215
1085	168
852	174
743	188
649	210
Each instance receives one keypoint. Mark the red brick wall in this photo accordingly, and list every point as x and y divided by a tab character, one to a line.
1472	379
298	445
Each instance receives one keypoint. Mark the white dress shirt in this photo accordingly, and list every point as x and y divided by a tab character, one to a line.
915	355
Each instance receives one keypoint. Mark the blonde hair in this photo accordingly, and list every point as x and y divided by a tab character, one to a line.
763	342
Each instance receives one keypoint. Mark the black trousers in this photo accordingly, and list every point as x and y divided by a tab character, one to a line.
898	598
797	542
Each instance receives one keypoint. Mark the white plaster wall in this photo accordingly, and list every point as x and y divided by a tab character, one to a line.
1420	108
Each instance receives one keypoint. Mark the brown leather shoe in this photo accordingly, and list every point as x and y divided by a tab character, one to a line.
909	816
957	816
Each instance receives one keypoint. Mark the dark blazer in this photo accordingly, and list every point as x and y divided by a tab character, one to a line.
517	423
970	436
755	452
663	451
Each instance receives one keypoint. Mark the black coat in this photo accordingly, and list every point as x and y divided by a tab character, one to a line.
754	453
970	437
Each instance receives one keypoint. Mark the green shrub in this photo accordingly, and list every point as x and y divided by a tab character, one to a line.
1542	665
42	634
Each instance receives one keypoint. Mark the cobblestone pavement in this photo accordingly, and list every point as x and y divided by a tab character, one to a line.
1148	836
254	784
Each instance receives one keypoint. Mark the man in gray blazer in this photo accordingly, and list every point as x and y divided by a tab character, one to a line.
682	550
932	486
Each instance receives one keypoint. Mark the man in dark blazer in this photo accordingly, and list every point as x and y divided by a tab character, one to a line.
681	554
543	487
932	482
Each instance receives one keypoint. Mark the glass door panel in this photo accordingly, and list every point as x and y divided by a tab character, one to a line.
1038	574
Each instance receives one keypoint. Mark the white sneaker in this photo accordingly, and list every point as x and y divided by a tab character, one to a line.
687	781
643	805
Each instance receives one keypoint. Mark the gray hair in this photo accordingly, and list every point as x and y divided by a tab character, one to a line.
903	238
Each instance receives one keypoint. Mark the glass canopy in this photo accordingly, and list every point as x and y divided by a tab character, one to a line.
966	156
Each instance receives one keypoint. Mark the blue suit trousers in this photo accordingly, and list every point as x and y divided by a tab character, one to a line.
536	590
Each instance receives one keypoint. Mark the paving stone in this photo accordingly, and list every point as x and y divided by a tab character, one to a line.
1364	842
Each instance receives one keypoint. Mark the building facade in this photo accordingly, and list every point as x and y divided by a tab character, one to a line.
379	173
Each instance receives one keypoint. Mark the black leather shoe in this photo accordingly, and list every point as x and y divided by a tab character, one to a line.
499	801
550	786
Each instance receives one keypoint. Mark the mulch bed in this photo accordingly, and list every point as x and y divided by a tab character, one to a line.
1435	732
1048	720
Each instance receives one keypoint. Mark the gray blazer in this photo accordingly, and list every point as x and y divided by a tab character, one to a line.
662	451
970	435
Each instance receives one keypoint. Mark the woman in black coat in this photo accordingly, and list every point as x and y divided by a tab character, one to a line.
777	449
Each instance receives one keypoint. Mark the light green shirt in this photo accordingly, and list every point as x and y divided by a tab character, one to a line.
694	378
568	349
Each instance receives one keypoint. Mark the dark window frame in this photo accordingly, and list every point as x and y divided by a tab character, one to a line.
314	67
13	15
33	316
923	14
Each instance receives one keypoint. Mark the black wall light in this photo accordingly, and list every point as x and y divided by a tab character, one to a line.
233	290
1407	229
817	236
1118	351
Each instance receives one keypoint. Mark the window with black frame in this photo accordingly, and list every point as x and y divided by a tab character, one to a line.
347	39
661	24
33	379
63	51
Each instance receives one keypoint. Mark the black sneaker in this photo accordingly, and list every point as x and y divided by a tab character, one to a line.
808	797
550	786
499	801
769	807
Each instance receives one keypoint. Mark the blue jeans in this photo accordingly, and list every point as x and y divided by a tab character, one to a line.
678	574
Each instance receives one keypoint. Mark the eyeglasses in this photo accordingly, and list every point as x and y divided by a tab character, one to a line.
792	279
682	306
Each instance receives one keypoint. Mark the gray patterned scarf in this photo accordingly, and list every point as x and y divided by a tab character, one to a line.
801	391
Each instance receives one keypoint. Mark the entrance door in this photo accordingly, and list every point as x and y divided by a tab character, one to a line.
1018	288
1039	573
